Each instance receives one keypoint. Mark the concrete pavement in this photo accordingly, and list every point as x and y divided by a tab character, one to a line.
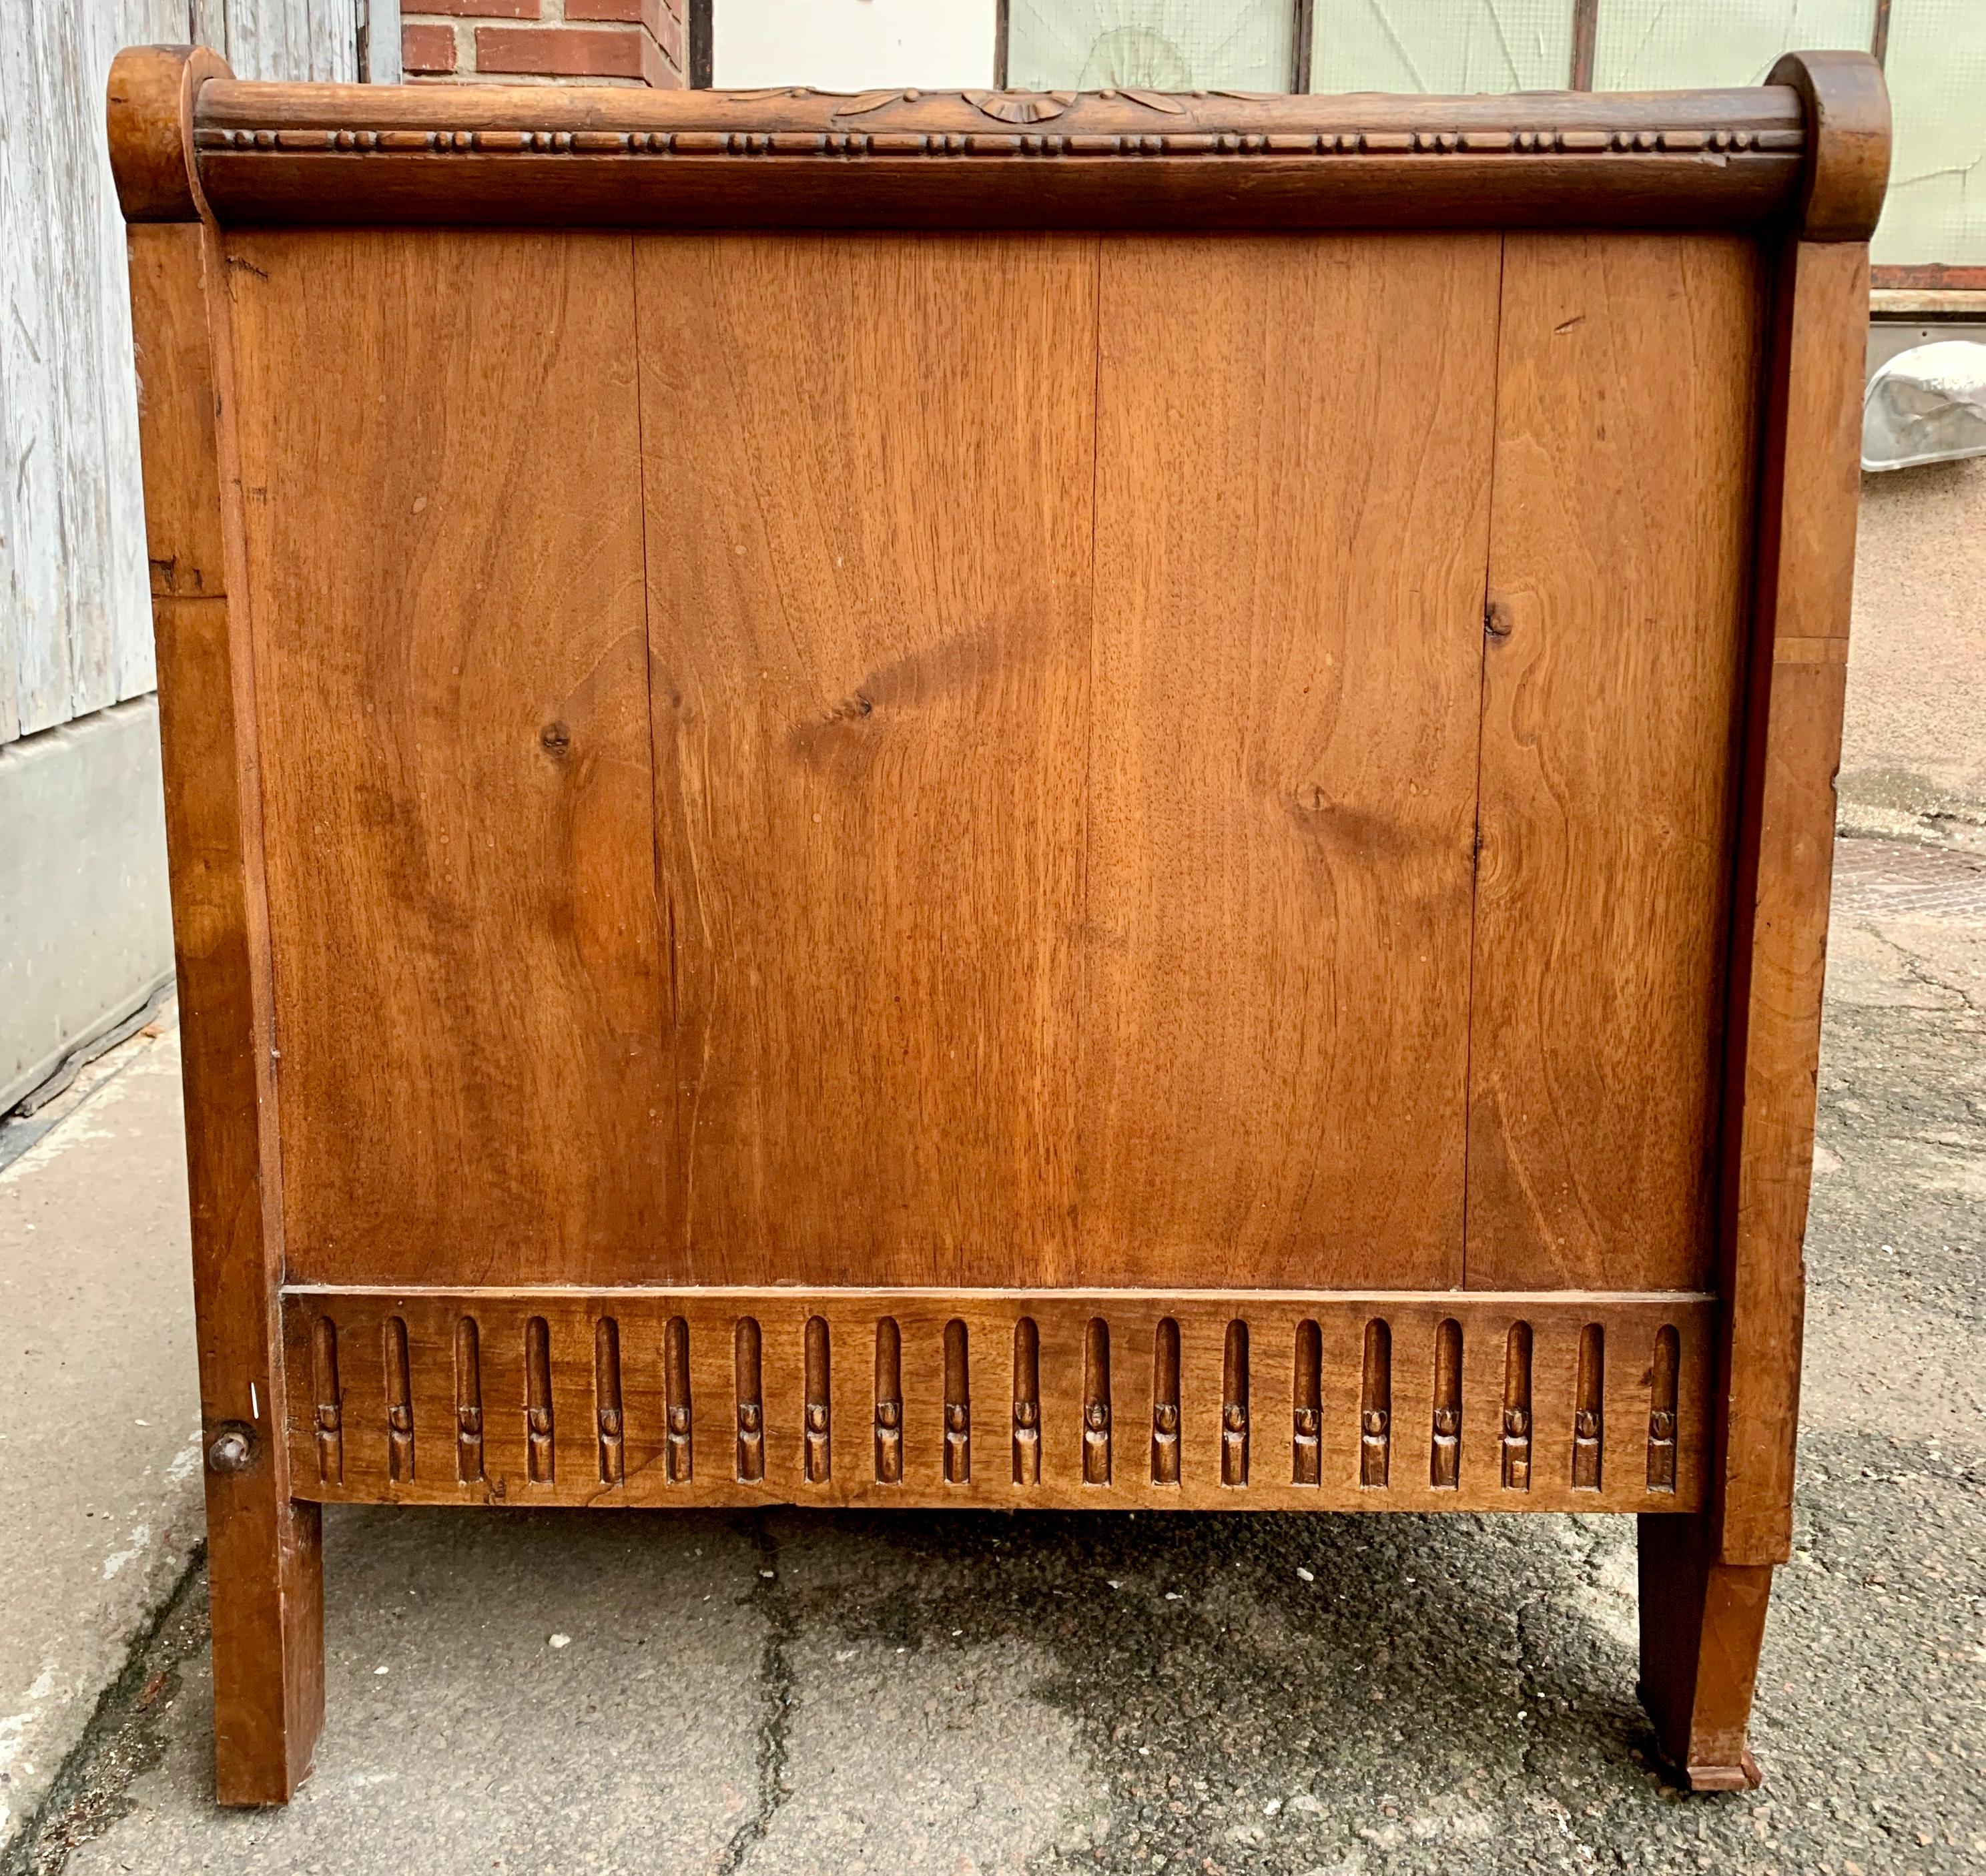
100	1506
524	1691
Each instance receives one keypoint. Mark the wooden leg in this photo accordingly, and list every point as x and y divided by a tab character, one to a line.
1702	1623
265	1581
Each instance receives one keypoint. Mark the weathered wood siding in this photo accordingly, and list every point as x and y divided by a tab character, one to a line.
313	39
75	629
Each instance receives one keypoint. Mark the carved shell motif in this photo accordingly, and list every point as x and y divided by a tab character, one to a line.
1020	107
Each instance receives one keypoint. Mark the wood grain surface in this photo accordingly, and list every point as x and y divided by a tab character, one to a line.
1703	1623
869	468
262	1545
1066	671
452	675
1627	409
1293	480
1805	577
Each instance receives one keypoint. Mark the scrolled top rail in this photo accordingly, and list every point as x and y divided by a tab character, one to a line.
1805	147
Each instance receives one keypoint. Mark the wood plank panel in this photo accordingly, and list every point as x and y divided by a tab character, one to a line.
869	466
452	672
1626	429
1629	1325
1293	507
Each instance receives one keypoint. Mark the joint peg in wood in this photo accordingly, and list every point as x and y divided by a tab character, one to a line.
231	1451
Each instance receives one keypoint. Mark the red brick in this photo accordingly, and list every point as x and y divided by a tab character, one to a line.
661	75
669	33
427	49
663	20
560	52
475	9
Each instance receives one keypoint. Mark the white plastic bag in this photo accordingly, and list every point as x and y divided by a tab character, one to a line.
1928	405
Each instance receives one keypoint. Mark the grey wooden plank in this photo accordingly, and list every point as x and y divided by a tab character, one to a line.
254	41
381	27
74	92
127	597
10	701
30	365
209	24
12	601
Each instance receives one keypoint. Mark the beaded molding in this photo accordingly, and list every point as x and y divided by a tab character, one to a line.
1012	108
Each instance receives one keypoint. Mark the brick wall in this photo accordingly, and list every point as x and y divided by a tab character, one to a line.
544	42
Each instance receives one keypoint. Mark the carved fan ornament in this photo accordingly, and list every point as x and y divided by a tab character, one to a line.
1020	107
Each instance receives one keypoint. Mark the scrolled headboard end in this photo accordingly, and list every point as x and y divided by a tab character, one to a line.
149	110
1847	107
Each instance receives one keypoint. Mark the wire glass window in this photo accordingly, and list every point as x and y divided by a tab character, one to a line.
1151	45
1669	44
1936	70
1441	45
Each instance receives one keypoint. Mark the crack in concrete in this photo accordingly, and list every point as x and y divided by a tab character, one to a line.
775	1681
1919	972
1915	968
87	1796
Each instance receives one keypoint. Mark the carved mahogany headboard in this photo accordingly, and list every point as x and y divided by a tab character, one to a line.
1010	800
